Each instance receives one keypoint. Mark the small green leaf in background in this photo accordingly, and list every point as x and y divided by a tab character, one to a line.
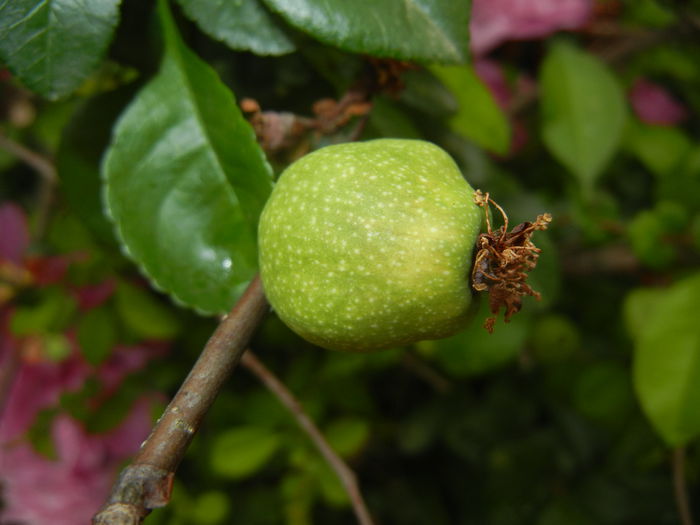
143	316
57	347
583	111
474	351
244	25
667	358
186	181
241	451
478	118
210	508
54	46
660	148
51	313
97	334
346	436
422	30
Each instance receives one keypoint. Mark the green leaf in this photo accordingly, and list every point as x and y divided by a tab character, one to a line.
346	436
143	315
422	30
478	117
583	111
474	351
186	182
52	46
97	334
667	363
660	148
239	452
640	305
210	508
244	25
51	314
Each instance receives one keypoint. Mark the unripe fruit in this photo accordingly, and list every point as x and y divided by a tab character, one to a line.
368	245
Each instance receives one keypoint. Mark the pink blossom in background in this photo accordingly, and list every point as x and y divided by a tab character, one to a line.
93	295
69	490
14	233
125	360
654	105
496	21
492	75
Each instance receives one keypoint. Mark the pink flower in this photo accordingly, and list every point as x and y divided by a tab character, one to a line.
92	296
70	489
496	21
654	105
504	93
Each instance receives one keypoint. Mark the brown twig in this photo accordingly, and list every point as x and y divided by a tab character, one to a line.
147	482
422	370
345	474
47	173
679	486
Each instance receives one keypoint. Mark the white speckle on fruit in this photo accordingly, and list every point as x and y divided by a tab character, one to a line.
368	245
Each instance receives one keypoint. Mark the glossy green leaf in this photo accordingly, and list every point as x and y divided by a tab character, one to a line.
478	118
583	111
239	452
143	315
422	30
97	334
667	362
186	182
52	46
244	25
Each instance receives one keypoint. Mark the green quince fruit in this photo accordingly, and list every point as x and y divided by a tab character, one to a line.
368	245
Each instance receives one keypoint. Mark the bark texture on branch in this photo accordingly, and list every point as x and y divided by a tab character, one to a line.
147	482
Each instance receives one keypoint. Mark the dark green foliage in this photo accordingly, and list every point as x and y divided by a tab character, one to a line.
566	415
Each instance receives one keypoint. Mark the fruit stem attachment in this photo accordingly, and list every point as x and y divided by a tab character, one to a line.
146	483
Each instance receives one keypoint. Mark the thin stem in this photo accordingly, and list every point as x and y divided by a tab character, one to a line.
47	173
345	474
679	486
147	482
431	376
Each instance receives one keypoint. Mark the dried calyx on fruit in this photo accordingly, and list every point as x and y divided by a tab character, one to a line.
504	259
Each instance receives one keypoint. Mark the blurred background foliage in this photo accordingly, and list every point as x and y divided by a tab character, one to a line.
580	411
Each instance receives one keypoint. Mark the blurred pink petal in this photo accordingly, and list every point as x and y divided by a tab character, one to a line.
37	386
491	74
94	295
125	360
495	21
50	269
654	105
68	491
14	233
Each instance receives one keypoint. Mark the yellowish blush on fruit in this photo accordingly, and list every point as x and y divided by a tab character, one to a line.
368	245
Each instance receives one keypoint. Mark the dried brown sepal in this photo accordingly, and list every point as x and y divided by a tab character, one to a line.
503	260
